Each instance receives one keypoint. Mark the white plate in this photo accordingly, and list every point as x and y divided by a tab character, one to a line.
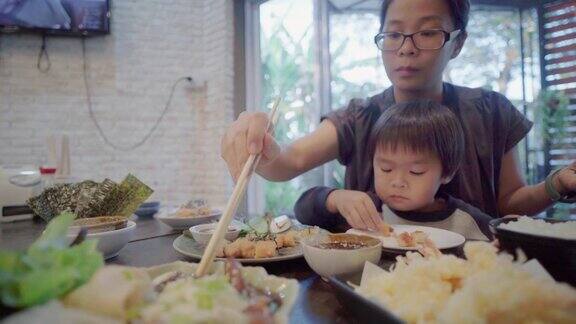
167	217
443	239
189	247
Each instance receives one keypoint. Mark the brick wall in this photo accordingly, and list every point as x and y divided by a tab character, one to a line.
130	73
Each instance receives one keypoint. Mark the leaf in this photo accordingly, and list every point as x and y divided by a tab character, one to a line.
54	236
49	268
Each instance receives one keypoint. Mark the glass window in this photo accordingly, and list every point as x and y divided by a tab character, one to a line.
507	37
495	35
355	61
356	66
287	70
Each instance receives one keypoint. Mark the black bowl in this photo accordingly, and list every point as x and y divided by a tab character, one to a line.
362	308
557	255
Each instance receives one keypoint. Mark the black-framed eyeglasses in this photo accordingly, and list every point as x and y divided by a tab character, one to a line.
429	39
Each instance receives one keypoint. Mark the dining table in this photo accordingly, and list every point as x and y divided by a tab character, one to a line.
151	245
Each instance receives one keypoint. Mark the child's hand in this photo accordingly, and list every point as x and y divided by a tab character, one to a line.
565	180
357	208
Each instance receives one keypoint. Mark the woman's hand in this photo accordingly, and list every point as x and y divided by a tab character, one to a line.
247	135
357	208
565	180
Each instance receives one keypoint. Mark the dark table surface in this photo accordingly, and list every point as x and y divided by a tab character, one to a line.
152	245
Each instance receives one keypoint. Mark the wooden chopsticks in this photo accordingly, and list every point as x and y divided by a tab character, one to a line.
232	205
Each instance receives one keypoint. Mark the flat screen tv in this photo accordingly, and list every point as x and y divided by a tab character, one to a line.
66	17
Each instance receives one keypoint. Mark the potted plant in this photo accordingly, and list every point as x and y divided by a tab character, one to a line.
551	114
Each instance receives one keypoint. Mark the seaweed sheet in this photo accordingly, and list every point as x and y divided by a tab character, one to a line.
124	199
90	199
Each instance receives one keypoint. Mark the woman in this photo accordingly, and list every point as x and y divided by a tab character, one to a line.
417	39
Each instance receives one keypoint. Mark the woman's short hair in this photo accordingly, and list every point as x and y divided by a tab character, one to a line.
422	126
459	10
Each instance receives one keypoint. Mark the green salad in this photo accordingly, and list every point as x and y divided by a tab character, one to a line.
49	268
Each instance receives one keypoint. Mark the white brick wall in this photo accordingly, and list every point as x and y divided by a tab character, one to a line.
130	74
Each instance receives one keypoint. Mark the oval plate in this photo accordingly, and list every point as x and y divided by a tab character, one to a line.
443	239
186	222
189	247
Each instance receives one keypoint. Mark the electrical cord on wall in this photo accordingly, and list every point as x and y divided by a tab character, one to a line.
1	58
95	121
43	54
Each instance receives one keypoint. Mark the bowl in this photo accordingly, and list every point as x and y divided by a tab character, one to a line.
203	232
557	255
109	242
148	209
176	222
100	223
337	254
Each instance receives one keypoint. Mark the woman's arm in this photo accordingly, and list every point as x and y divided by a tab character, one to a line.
304	154
515	196
248	135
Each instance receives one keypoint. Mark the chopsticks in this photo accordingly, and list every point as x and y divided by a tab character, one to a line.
237	194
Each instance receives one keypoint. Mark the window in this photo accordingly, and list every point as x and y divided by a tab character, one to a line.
286	65
290	37
494	34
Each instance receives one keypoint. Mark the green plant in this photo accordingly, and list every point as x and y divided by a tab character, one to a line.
287	72
551	112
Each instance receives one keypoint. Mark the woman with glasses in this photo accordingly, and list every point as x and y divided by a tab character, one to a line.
417	39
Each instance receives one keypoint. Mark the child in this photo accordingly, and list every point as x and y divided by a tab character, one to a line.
416	147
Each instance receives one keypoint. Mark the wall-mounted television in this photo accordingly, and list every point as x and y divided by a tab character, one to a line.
66	17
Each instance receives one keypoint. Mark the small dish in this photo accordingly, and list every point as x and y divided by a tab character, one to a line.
203	232
109	242
148	209
337	254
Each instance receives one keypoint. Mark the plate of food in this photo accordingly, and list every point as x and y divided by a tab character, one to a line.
170	293
253	245
194	212
43	289
412	237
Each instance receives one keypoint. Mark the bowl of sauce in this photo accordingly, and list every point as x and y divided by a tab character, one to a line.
337	254
203	232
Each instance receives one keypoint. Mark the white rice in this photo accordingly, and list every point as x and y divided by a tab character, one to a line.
528	225
486	287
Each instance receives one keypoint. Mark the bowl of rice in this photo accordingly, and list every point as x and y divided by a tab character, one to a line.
552	242
484	287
